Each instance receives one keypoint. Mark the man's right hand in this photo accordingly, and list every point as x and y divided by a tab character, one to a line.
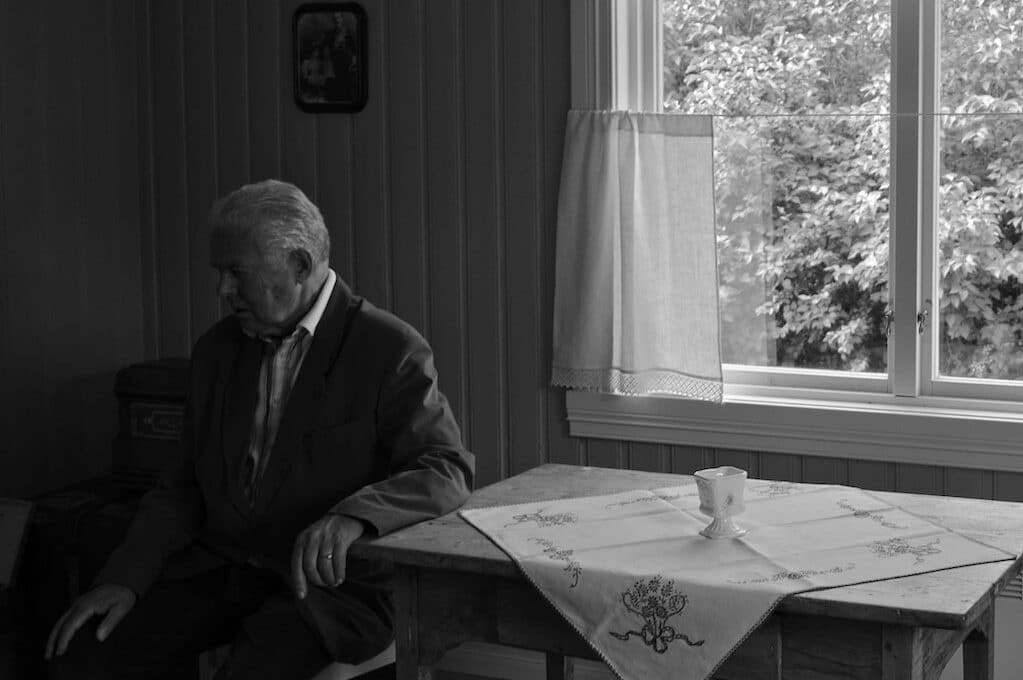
112	600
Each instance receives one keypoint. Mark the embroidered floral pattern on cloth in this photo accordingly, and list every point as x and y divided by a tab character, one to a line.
655	599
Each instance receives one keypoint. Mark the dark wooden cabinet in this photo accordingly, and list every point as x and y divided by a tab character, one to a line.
150	398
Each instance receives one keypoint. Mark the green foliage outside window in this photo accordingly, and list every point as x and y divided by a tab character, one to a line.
800	89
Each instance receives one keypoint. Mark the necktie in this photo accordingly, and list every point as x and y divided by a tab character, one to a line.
257	450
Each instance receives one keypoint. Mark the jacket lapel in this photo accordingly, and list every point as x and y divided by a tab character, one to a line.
307	393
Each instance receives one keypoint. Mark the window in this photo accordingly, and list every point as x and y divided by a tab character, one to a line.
869	199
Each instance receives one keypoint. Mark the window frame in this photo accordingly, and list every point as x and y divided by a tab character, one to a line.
909	414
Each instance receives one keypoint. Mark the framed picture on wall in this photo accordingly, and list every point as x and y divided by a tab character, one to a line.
330	56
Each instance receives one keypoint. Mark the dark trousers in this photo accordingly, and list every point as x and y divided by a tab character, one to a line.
166	630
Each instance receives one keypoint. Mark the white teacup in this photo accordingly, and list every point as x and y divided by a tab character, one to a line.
721	490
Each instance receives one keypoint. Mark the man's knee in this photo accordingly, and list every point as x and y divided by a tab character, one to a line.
275	643
83	659
86	658
63	668
247	661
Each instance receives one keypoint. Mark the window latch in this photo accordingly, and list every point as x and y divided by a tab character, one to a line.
922	319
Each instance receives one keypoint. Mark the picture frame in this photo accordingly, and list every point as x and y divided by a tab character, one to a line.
330	72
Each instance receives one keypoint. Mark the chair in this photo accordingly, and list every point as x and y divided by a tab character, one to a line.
14	522
344	671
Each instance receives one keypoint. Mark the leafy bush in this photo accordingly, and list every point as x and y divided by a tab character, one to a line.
800	90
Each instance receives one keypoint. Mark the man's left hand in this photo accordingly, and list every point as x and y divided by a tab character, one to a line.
321	550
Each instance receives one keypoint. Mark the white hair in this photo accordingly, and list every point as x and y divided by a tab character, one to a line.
285	219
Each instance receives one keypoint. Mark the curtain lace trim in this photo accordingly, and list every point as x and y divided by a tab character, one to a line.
616	381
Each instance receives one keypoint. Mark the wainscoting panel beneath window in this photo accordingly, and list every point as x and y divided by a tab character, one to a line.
880	476
875	475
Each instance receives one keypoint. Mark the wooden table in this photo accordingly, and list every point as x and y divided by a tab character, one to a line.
453	585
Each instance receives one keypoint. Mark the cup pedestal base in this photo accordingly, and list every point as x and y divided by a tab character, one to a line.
722	527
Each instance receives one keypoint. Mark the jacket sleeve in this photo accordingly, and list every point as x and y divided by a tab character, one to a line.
169	516
430	472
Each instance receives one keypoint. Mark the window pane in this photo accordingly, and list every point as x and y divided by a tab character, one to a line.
800	93
776	56
981	55
980	259
802	219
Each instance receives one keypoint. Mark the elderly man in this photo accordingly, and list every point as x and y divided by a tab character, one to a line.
312	417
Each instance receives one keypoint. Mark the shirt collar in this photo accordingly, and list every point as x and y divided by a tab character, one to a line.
312	318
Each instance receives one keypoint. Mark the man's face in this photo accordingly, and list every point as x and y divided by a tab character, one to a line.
264	295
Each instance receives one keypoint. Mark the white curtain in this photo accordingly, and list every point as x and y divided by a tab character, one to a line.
636	296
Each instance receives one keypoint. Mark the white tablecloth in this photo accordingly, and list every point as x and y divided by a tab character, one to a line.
655	599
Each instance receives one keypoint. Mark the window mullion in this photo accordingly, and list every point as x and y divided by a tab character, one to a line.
930	74
904	237
651	52
617	60
638	70
592	53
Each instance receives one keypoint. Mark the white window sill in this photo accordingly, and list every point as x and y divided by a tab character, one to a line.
929	431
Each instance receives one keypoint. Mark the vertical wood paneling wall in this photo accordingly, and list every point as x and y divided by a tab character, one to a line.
71	294
440	197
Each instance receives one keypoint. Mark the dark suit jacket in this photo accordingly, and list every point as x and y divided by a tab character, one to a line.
365	432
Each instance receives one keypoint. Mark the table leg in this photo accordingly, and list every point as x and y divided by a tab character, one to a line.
919	653
979	649
560	667
406	627
901	653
